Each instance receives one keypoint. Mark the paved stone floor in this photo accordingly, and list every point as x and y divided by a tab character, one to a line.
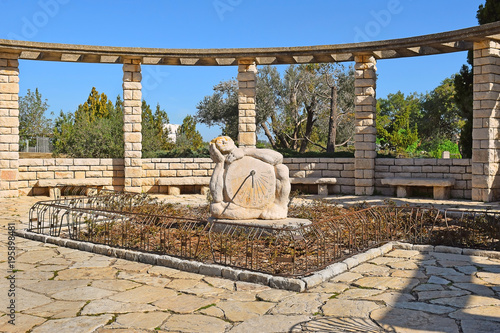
65	290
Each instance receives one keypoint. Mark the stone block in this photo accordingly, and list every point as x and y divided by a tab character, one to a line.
370	146
365	100
364	164
351	262
423	248
132	255
210	270
481	253
132	86
386	248
402	191
402	246
230	273
8	122
184	173
254	277
448	249
38	237
72	244
412	169
61	241
246	76
333	270
168	261
9	88
102	249
247	139
85	246
174	190
323	189
280	282
248	92
148	258
364	83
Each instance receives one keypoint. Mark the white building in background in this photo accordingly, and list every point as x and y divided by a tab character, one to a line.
172	131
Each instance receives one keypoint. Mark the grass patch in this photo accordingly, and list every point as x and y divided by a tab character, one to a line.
79	313
112	320
334	295
56	273
362	287
206	307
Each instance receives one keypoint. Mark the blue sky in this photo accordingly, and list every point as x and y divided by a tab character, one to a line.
220	24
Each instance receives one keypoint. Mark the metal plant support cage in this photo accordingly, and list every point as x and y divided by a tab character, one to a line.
109	218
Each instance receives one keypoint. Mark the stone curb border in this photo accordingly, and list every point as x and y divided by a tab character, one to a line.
294	284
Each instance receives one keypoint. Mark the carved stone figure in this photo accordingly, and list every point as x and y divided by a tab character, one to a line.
248	183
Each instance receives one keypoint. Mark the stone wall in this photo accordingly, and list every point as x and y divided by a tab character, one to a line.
154	168
33	169
458	169
30	170
340	168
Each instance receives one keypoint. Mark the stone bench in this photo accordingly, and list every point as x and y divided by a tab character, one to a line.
441	186
321	182
55	185
174	184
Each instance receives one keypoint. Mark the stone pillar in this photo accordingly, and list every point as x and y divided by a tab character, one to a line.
365	135
247	79
132	118
9	124
486	122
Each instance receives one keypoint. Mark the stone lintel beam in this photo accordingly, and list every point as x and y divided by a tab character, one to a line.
303	59
266	60
226	61
70	57
110	59
152	60
30	55
445	42
188	61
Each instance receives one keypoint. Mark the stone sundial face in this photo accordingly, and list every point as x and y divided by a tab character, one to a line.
250	183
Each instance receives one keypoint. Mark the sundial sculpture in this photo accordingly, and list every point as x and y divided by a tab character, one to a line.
247	183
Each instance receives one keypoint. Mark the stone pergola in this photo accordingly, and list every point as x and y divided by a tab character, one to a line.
483	40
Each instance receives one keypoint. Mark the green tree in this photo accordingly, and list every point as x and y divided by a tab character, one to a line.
96	106
32	119
63	133
154	136
440	118
396	121
464	100
489	12
94	130
291	108
221	108
188	136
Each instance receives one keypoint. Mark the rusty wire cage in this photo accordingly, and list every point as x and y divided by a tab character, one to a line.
139	222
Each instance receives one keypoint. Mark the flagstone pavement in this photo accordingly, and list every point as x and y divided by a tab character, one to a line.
59	289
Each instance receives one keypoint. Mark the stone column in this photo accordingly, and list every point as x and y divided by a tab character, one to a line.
247	79
9	124
365	135
132	118
486	122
